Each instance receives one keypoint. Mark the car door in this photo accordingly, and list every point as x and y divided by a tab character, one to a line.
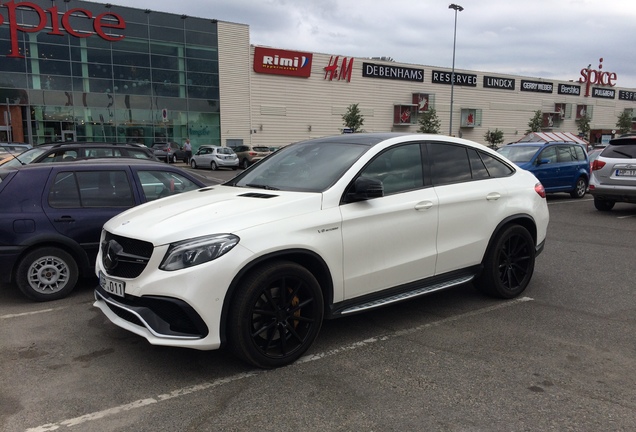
471	200
391	240
547	171
568	166
79	201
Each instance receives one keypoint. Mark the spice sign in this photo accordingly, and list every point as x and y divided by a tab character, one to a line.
103	24
591	77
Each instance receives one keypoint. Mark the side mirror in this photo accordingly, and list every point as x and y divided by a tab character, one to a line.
365	188
543	161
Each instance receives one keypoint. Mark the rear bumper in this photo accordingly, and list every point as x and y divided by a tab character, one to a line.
614	193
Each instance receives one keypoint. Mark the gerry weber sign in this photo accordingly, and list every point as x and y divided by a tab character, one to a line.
103	24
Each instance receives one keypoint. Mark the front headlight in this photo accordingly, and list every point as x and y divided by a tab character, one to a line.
192	252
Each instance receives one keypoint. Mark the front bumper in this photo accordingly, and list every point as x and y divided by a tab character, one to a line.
162	317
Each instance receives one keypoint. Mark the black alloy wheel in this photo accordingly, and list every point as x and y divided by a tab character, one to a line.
509	263
276	315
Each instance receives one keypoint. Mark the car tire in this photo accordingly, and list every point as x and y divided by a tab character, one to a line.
245	164
508	264
193	164
47	273
234	168
579	189
213	166
603	205
174	158
277	297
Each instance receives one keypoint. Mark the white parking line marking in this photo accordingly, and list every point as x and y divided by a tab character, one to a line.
313	357
571	201
625	217
31	313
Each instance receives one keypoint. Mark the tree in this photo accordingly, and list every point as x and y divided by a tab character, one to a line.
352	118
494	138
535	122
624	123
583	124
429	122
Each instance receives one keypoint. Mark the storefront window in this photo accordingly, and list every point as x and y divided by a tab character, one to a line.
92	89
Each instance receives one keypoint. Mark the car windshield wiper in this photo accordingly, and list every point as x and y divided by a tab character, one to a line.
622	153
261	186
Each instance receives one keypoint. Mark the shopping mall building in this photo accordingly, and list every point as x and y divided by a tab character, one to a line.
85	71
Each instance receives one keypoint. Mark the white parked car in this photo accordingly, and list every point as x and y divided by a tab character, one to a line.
214	157
320	229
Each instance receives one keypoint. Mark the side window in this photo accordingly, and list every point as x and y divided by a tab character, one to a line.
477	166
578	151
59	156
64	192
495	167
449	164
399	169
138	154
565	153
160	184
105	189
549	154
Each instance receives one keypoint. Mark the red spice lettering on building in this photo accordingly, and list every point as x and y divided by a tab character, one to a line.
340	72
102	23
596	77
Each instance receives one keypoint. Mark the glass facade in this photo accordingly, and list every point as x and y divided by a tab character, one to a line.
157	79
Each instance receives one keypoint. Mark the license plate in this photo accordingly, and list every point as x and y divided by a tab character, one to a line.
112	286
625	173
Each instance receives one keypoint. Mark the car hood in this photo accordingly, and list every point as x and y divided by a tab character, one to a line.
211	210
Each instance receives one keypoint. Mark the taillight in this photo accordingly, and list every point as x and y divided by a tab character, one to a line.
252	153
597	165
538	188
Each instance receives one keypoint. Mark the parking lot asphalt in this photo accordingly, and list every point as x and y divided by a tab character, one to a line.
561	357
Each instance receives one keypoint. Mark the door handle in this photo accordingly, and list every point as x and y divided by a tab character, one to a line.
424	205
64	219
493	196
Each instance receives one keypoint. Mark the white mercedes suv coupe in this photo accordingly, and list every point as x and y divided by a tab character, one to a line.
320	229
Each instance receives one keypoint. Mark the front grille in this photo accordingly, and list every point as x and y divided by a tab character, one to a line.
130	261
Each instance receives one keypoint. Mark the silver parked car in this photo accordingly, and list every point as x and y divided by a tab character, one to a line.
214	157
614	174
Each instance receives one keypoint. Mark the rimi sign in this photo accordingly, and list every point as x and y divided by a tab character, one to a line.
60	24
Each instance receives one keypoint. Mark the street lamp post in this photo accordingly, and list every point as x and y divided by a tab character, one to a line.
457	8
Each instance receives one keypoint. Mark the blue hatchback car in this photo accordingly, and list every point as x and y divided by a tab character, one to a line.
52	214
560	166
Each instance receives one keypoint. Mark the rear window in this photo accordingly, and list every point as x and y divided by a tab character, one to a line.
620	149
518	153
261	149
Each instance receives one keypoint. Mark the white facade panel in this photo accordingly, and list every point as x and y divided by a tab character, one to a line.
314	106
234	82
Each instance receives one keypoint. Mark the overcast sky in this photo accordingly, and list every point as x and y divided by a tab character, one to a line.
551	39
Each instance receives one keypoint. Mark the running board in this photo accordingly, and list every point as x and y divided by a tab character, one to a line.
407	295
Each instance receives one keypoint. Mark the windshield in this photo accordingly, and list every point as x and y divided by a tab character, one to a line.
306	166
518	153
24	157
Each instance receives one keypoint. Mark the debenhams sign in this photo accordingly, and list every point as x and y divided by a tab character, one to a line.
107	25
372	70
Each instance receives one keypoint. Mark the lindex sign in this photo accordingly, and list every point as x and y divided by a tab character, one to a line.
60	24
